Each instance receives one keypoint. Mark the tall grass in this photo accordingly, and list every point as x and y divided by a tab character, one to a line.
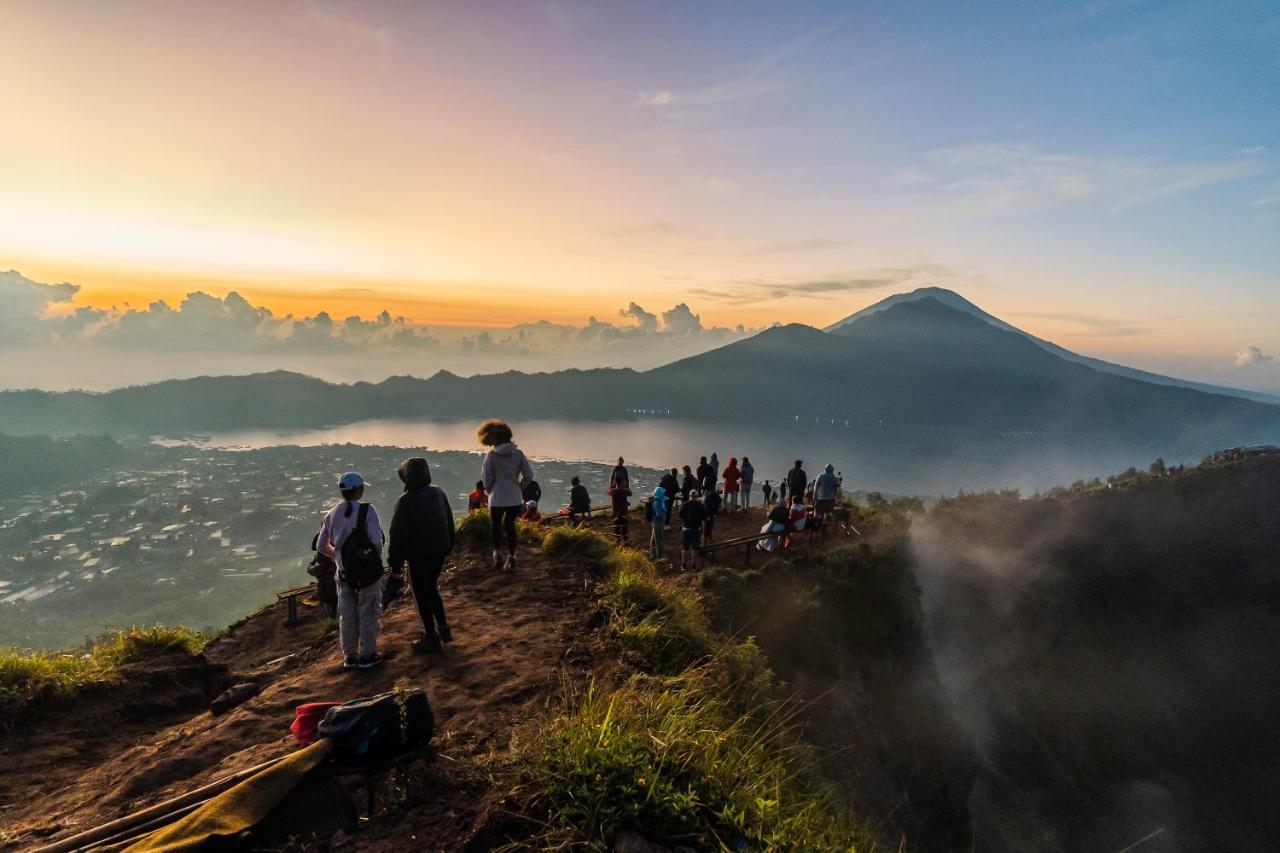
474	530
30	681
691	749
577	543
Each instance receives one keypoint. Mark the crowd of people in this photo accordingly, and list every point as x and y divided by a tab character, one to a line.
422	530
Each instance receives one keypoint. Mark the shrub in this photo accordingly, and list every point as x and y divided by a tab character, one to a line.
674	758
580	543
31	681
473	528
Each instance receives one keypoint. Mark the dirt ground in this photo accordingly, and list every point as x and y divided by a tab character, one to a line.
518	636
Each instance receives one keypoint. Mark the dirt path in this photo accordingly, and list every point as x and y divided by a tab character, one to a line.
518	635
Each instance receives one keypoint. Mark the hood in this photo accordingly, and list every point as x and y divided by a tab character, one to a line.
660	493
733	462
505	449
831	469
415	473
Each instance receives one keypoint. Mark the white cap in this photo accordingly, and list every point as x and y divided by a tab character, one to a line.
350	480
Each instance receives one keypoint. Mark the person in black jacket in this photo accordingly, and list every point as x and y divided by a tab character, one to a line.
579	501
422	535
797	480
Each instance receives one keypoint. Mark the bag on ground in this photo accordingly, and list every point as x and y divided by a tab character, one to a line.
378	728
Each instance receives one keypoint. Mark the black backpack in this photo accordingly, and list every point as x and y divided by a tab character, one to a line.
361	559
378	728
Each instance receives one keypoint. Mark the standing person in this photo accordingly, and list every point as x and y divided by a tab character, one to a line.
767	488
825	489
796	481
477	500
352	537
748	480
706	474
711	503
693	515
656	512
579	501
422	535
670	483
688	484
620	497
506	470
620	475
732	478
715	467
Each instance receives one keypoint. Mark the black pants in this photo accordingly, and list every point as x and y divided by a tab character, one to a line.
424	577
620	527
503	518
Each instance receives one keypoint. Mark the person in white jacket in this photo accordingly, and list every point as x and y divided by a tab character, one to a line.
506	469
358	609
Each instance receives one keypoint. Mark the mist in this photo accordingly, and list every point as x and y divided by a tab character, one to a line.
1111	655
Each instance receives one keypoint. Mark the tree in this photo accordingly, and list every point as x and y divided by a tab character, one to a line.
1157	468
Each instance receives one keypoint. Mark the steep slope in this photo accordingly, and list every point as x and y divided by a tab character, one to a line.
958	302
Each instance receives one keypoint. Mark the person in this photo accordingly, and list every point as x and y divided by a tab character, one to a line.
579	501
620	475
670	483
782	491
715	467
620	497
767	489
797	515
506	472
797	480
840	483
422	535
711	503
325	571
477	500
688	484
732	478
531	491
748	480
359	604
825	489
531	513
693	515
706	474
656	512
778	522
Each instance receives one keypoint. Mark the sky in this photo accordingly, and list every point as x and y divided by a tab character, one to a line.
359	189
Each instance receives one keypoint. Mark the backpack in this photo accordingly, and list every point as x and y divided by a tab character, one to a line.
361	559
378	728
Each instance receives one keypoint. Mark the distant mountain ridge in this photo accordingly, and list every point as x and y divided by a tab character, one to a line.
916	364
958	302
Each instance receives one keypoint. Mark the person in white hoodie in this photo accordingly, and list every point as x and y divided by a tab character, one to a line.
506	469
358	607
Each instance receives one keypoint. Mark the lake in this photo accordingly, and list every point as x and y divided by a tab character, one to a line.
891	460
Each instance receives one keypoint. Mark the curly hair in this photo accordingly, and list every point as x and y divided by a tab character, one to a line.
493	432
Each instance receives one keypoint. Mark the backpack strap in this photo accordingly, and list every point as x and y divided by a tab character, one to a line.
362	517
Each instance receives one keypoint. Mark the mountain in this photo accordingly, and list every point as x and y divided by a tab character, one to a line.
958	302
915	368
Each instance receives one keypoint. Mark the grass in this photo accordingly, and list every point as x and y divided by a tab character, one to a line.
31	681
474	530
691	748
578	543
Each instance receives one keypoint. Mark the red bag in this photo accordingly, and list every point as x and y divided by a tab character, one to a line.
306	719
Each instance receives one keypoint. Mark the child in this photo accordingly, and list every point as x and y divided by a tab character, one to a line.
359	590
579	501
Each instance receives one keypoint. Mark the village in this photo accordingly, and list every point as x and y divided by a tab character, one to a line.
191	536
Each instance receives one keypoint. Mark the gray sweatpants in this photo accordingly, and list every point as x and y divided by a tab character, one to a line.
358	612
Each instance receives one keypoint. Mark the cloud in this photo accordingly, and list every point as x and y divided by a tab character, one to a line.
1253	357
646	320
334	18
786	247
1091	325
679	320
1009	177
749	291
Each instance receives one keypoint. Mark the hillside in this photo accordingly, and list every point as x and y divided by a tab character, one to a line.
914	364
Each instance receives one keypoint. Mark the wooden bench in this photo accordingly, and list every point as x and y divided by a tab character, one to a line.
291	596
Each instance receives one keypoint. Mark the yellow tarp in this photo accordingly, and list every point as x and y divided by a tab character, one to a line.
234	812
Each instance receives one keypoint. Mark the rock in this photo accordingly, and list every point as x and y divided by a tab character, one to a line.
236	695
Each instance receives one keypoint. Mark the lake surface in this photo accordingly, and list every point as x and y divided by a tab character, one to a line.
924	462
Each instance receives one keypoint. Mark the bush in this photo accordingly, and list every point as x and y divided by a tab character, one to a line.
677	760
31	681
580	543
473	529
